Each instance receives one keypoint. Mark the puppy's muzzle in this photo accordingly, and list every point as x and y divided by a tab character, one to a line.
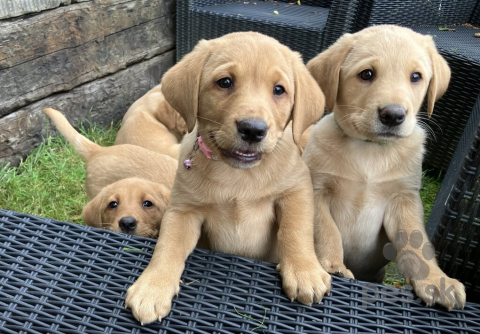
127	224
252	130
392	115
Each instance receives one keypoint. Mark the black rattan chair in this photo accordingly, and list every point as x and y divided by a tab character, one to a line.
454	224
460	48
60	277
307	28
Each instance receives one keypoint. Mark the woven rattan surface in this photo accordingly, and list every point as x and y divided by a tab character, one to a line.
420	12
275	12
454	225
308	28
299	27
64	278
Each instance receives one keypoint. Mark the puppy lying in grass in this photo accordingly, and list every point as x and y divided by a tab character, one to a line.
153	124
244	188
128	187
365	158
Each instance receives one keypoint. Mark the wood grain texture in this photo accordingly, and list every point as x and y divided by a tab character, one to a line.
63	48
101	101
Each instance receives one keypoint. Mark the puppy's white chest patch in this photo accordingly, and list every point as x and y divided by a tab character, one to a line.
243	228
359	216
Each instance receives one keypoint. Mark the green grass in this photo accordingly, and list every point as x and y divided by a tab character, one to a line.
431	181
50	182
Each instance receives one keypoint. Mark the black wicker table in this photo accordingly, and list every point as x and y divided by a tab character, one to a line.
60	277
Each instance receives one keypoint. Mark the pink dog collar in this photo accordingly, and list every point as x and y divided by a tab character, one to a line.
199	145
204	148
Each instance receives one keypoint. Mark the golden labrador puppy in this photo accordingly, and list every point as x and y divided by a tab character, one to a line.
132	205
128	186
365	158
243	186
153	124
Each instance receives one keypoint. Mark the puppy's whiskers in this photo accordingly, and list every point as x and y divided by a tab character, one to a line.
427	128
351	107
210	120
423	116
346	118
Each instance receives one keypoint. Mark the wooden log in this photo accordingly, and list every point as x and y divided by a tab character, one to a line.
99	101
14	8
69	46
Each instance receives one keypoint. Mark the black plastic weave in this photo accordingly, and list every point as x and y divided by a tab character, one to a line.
421	12
454	225
460	48
452	111
307	28
64	278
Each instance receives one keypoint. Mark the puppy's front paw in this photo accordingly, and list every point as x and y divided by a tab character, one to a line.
150	297
336	268
306	282
438	288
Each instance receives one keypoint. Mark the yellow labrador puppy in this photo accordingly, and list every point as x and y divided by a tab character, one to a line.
128	187
133	206
365	158
243	185
153	124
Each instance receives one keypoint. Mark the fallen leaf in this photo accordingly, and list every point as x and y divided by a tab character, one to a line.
132	249
275	12
446	29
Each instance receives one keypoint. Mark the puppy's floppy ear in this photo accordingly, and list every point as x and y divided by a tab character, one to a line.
309	101
325	67
440	76
181	83
92	212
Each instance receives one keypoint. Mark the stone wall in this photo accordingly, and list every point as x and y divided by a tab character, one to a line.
90	59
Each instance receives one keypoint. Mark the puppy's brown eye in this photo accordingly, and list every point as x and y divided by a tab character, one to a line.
147	204
278	90
225	83
415	77
366	75
113	205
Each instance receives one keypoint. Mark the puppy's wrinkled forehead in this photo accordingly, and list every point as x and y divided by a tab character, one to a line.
395	49
252	56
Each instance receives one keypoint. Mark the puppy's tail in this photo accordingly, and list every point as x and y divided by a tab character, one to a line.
81	144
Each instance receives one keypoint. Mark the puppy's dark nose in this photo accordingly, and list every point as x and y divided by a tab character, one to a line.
392	115
127	224
252	130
